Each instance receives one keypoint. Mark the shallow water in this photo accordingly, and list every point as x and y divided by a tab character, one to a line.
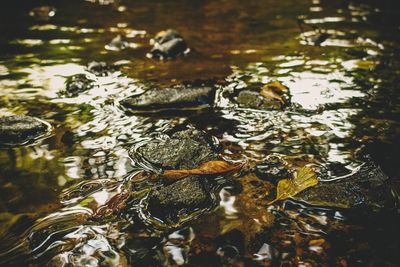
345	99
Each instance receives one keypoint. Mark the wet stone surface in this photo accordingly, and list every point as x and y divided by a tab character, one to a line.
168	44
252	99
174	97
176	201
183	150
366	188
20	129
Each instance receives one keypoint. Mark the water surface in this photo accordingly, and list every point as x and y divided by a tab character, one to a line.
345	98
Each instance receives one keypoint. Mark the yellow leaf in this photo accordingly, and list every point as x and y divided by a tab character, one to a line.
210	167
274	90
304	179
278	86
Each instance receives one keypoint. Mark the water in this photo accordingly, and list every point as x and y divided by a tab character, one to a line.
344	99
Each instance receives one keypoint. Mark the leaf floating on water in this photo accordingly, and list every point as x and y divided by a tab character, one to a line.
304	178
274	90
210	167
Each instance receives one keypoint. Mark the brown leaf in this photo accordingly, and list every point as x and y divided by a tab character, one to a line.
274	90
304	179
210	167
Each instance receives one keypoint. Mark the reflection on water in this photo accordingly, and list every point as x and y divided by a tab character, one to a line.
339	59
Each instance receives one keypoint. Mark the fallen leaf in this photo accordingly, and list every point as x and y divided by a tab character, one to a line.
278	86
210	167
304	178
274	90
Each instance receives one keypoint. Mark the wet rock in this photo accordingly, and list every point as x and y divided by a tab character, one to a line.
168	44
252	99
183	150
368	187
174	97
179	200
101	69
77	84
43	13
20	129
118	43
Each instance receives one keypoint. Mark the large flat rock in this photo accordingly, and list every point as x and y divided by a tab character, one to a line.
172	97
183	150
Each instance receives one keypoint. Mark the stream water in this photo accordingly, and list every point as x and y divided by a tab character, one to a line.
345	98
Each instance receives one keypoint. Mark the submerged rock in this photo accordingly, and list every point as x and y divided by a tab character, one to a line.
183	150
178	96
179	200
251	99
368	187
78	84
101	68
168	44
21	129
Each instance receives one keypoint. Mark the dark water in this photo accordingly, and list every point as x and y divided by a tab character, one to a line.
346	98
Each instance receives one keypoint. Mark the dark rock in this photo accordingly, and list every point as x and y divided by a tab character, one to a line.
183	150
168	44
101	68
179	200
178	96
77	84
20	129
251	99
43	13
368	187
